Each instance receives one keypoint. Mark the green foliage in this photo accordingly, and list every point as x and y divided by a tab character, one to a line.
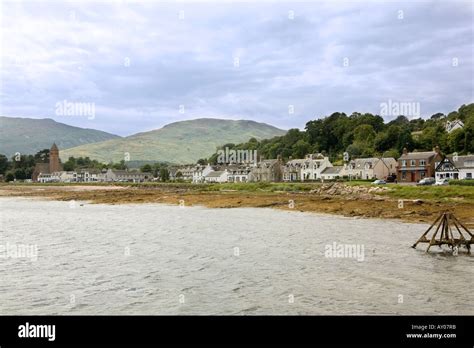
366	135
146	168
4	165
164	174
9	177
461	182
84	162
119	166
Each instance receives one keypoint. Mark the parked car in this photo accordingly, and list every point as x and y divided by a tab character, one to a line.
391	178
379	182
426	181
442	182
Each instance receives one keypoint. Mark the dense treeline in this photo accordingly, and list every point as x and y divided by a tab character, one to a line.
366	135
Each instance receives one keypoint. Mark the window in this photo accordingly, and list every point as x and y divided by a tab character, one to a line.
468	175
422	162
404	163
422	174
412	163
404	175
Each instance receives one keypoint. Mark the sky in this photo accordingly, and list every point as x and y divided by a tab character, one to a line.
131	66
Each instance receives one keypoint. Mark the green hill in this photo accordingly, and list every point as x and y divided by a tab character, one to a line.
179	142
29	135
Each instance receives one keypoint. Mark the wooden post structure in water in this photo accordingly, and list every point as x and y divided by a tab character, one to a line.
445	223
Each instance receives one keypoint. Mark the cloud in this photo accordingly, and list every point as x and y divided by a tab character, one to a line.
140	61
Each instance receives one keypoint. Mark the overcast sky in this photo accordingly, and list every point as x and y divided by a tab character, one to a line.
279	63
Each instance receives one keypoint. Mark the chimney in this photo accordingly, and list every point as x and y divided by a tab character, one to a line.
436	149
405	151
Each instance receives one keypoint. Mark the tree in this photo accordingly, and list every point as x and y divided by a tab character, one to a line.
164	174
4	165
466	111
20	174
146	168
9	177
119	166
364	134
455	140
42	156
301	148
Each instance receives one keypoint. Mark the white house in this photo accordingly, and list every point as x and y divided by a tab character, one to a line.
48	177
124	175
292	170
187	172
332	173
218	176
455	167
361	168
200	172
453	125
66	176
313	165
238	173
88	175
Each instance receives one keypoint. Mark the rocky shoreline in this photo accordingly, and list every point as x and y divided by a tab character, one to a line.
331	198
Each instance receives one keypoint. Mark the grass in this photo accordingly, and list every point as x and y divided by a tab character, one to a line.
397	191
431	192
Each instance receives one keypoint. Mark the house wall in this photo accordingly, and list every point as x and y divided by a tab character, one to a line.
417	171
385	167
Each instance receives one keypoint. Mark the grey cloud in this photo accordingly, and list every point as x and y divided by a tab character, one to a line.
77	51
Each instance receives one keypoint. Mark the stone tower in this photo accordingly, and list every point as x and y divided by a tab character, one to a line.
54	165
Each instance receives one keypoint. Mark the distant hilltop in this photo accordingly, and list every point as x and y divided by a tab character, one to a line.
178	142
30	135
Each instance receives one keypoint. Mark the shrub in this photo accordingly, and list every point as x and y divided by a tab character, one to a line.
462	182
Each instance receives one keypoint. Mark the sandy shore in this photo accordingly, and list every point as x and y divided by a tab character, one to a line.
362	205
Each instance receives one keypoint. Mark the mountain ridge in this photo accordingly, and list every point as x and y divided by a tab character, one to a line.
177	142
30	135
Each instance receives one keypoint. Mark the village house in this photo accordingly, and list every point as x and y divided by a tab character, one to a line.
65	176
270	170
370	168
124	176
332	173
200	173
453	125
455	167
217	176
292	170
414	166
238	173
361	168
384	167
47	177
185	173
313	166
88	175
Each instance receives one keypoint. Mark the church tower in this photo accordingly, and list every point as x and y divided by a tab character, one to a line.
54	159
